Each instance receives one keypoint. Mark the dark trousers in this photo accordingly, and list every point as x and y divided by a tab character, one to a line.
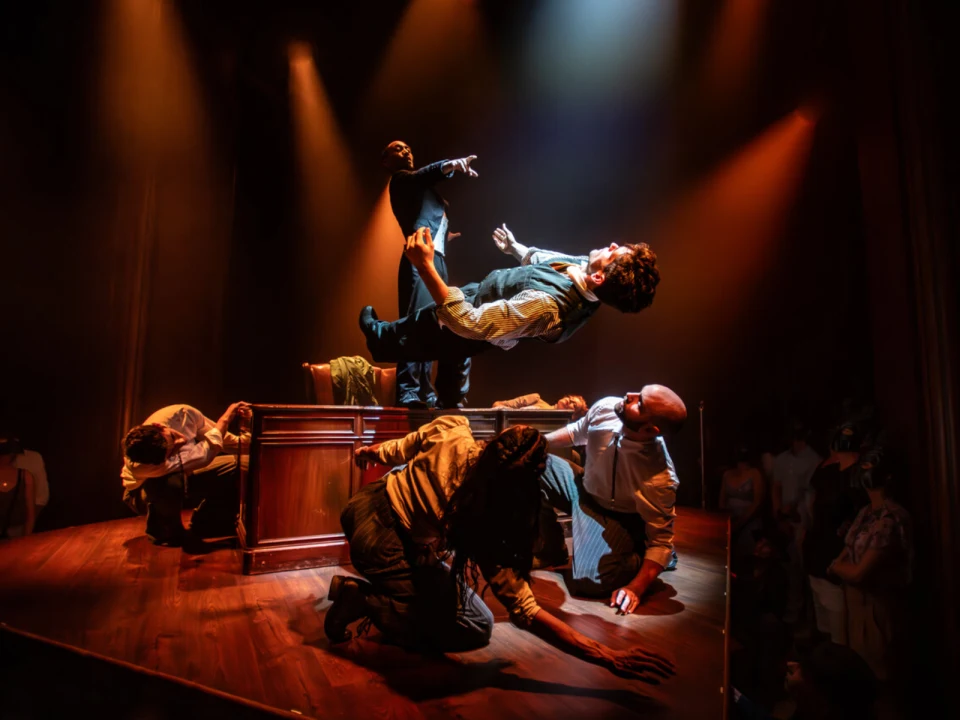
413	378
161	499
608	546
414	345
412	597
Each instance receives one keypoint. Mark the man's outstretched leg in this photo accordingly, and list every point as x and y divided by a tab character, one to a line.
417	337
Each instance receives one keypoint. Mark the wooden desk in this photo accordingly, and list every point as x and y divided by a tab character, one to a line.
301	474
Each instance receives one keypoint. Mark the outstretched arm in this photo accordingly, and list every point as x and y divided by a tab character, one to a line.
508	243
430	175
635	663
515	595
461	165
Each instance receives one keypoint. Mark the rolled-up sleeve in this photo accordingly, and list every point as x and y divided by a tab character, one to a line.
513	592
401	450
656	502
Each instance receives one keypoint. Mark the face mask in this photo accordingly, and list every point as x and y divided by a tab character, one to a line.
846	439
870	472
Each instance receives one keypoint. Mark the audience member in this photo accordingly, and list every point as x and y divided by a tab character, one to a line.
759	596
832	503
792	471
18	492
830	683
574	403
741	492
875	565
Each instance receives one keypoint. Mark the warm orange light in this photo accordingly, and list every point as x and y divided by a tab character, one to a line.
151	111
438	57
327	182
369	277
730	61
716	244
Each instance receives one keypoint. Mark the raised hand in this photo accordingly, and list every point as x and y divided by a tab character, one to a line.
419	248
504	239
463	165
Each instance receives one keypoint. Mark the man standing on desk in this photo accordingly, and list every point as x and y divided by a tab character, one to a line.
622	504
415	203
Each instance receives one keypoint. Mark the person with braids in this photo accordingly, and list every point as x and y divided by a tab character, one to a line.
474	504
178	451
548	297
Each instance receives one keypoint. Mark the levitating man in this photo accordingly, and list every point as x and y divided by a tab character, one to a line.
475	504
622	505
548	297
177	450
416	203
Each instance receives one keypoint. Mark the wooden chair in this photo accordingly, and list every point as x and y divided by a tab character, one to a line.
319	384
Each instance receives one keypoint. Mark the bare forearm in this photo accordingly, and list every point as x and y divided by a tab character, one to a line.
649	571
559	439
434	283
563	637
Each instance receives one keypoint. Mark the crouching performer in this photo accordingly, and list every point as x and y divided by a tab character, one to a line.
476	504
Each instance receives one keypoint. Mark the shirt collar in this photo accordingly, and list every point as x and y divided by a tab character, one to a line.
578	273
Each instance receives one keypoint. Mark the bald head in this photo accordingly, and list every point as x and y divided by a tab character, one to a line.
664	406
397	156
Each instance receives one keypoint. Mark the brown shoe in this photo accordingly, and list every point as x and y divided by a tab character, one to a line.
349	605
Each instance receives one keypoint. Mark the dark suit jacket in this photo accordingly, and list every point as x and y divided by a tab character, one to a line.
414	202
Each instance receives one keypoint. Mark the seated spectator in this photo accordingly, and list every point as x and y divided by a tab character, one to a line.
831	683
792	470
759	596
574	403
875	565
18	492
178	451
741	492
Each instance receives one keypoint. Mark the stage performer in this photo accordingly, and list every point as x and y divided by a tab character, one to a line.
178	451
416	203
479	501
622	502
532	401
549	297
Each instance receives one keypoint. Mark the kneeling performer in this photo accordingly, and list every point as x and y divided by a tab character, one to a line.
479	501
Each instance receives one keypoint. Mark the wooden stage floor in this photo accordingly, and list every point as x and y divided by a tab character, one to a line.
104	588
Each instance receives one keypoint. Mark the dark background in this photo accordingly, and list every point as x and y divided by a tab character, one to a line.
166	246
171	233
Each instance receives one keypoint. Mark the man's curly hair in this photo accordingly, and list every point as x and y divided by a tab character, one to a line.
630	281
145	444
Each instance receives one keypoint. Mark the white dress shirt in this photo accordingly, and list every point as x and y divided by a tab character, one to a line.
646	480
204	443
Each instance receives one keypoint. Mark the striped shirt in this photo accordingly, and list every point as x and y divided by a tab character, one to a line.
528	314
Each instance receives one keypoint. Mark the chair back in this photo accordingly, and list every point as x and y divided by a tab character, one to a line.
318	384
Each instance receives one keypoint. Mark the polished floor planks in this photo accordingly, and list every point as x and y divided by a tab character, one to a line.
106	589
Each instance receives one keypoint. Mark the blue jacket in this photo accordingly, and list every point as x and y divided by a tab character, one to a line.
414	202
